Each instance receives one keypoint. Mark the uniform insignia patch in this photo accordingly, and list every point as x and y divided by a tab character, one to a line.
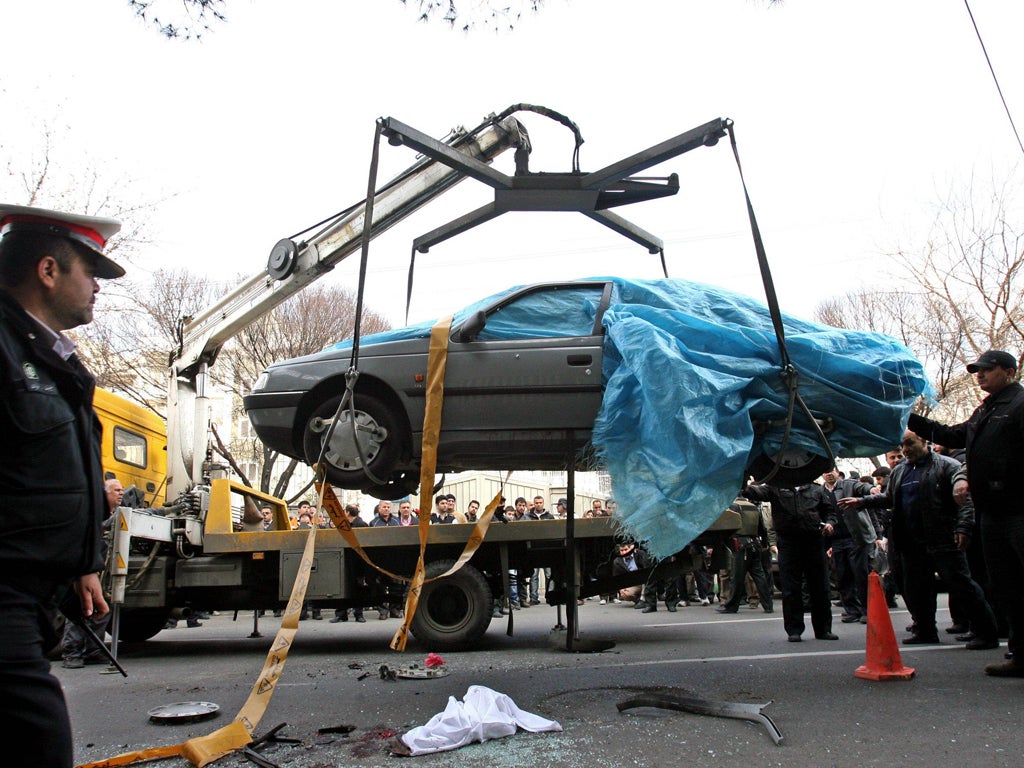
30	371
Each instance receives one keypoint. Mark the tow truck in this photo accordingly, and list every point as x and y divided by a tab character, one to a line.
206	547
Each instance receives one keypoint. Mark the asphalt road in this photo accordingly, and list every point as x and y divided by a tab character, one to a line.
949	714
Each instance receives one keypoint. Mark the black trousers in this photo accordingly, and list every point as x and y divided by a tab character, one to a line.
33	713
919	569
851	559
802	559
743	562
1002	538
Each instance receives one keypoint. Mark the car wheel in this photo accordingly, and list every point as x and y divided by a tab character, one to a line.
377	430
797	467
139	624
453	613
400	484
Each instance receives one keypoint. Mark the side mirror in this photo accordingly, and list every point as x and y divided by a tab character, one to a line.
470	327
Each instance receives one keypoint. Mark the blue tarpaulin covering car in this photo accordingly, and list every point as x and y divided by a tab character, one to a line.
690	369
690	398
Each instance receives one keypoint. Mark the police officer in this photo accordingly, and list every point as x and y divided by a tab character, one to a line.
52	499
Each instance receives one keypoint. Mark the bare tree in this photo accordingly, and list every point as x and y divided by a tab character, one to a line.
959	294
128	344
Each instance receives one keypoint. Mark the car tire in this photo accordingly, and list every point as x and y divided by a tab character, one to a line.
136	625
797	468
343	466
400	484
454	612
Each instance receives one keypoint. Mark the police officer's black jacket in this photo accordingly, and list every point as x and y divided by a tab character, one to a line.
799	510
51	478
940	514
994	439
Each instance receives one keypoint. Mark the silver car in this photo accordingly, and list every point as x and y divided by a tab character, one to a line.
523	379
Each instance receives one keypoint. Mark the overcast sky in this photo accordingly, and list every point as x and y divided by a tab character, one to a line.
853	120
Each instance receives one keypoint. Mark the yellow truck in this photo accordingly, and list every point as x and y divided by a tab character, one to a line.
134	446
201	549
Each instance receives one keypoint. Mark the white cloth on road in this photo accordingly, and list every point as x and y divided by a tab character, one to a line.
483	714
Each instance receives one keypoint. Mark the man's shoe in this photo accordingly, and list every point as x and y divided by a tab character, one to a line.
863	619
981	644
382	614
912	628
921	640
670	607
965	638
1011	668
336	619
827	636
956	629
524	603
638	605
726	609
795	638
317	616
190	623
397	613
534	601
769	610
849	618
603	601
648	609
73	663
360	619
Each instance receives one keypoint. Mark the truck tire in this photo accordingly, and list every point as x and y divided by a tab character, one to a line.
140	624
344	468
453	613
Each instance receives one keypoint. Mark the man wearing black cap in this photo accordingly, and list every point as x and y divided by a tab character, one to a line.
994	439
49	265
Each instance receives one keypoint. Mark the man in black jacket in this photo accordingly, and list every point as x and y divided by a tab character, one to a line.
50	454
994	439
930	533
801	516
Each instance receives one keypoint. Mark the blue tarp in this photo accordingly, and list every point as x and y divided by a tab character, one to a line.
687	370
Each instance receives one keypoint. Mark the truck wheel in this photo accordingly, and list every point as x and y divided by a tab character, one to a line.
379	434
454	612
139	624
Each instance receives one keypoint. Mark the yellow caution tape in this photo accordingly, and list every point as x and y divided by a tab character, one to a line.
437	363
203	750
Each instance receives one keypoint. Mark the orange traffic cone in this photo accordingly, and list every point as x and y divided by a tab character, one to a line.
883	654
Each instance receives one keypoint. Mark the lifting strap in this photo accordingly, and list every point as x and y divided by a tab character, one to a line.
789	373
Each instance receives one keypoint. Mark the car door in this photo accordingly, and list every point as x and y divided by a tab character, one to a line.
534	365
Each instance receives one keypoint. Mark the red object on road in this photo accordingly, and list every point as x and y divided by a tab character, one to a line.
883	654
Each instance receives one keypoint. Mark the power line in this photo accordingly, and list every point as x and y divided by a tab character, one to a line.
994	78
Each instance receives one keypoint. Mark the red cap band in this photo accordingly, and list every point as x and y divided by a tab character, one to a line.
92	234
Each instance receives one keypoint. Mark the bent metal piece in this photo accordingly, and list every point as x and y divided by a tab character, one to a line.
706	707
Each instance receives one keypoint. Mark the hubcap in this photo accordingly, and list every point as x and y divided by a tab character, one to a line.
343	452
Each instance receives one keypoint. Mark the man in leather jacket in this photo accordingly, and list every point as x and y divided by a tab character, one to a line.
801	516
52	500
994	439
930	533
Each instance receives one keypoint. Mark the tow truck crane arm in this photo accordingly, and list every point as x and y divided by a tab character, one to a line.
291	267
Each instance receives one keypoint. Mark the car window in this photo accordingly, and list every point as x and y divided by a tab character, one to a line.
548	312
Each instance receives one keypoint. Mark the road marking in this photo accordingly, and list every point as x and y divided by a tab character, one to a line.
771	617
772	656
